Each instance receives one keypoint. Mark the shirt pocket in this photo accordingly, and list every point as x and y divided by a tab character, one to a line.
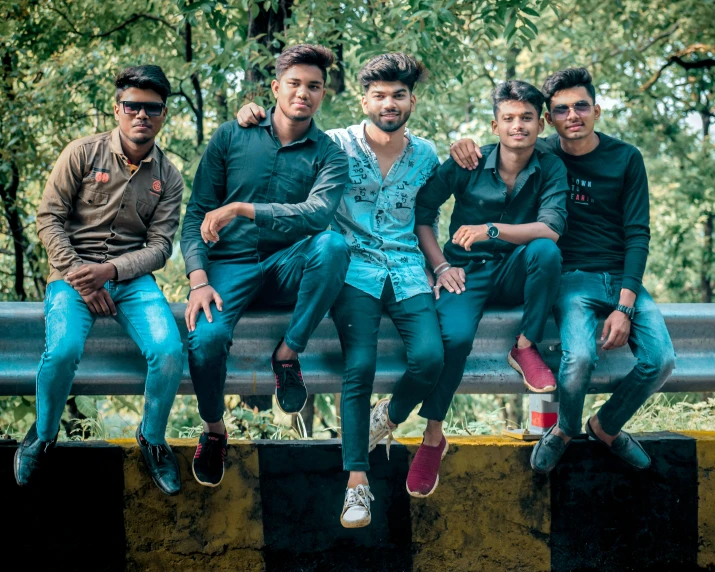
146	206
293	186
90	205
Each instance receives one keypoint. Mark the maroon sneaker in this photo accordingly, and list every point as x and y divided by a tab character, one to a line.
529	363
423	476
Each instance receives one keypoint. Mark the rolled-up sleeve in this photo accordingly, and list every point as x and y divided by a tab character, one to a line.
159	237
315	213
552	200
57	199
208	193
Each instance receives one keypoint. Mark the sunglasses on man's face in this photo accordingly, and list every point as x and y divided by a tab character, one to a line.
151	108
580	107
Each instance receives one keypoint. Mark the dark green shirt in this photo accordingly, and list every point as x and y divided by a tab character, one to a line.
539	195
295	190
609	215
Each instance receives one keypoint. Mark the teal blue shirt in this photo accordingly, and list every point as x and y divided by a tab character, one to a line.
377	217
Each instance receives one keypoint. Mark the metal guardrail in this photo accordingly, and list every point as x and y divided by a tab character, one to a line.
113	365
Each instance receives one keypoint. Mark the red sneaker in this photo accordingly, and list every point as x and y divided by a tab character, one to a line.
423	476
529	363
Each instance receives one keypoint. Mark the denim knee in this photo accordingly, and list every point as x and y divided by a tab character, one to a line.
332	249
576	368
657	370
544	252
209	343
360	370
457	343
427	363
169	355
67	353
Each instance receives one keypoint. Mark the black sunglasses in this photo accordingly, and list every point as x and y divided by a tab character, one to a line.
580	107
152	108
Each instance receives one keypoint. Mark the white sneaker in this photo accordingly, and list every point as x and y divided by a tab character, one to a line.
379	426
356	508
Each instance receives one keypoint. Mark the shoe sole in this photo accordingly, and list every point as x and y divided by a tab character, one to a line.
212	485
513	364
592	435
356	524
420	495
371	446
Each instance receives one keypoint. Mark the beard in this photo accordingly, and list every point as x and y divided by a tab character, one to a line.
140	139
388	126
293	117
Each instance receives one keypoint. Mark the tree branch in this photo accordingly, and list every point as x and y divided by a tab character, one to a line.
677	58
133	18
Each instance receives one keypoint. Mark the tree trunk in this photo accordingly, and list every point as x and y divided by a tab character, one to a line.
706	271
271	24
198	105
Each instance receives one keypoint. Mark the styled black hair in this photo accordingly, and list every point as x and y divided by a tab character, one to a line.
143	77
307	54
392	67
516	90
566	79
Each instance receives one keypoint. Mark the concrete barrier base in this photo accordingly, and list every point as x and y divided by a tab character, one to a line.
278	509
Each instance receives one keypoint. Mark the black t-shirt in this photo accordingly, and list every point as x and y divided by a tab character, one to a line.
608	210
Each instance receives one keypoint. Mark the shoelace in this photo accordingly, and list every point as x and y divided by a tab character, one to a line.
158	451
389	432
291	378
358	496
208	448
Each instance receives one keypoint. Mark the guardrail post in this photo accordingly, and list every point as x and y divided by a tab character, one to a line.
543	413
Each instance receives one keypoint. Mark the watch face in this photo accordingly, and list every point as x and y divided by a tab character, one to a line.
493	232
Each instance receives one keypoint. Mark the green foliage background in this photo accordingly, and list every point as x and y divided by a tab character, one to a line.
652	62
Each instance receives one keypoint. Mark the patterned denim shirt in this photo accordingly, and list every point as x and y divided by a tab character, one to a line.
377	217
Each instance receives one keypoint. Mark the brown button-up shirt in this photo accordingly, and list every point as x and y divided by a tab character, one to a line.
95	210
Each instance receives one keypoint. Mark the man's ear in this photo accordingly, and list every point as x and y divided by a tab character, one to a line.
275	85
495	127
116	111
541	125
549	119
413	100
596	112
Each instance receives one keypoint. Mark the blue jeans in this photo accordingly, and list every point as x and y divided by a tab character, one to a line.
309	275
584	297
528	275
144	313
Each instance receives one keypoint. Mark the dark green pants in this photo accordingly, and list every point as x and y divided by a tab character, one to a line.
357	317
529	275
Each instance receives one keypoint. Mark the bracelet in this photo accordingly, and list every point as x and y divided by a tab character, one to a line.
435	270
203	284
443	271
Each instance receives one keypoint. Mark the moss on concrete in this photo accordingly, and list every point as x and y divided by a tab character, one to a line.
200	529
706	496
489	512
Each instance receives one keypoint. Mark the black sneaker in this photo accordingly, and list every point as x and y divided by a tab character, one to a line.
30	456
209	459
291	394
162	465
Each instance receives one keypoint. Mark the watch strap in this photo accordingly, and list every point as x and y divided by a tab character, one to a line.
628	311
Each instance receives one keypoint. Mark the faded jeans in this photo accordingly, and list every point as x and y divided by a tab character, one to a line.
584	297
145	315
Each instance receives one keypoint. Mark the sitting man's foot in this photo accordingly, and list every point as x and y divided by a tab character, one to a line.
380	425
31	456
210	458
548	451
162	464
291	394
356	508
423	476
622	445
529	363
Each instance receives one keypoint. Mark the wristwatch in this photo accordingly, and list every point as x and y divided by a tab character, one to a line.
630	312
492	231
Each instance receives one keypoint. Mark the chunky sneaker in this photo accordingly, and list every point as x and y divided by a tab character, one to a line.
625	447
291	394
379	426
529	363
548	452
423	476
31	456
356	508
162	464
209	459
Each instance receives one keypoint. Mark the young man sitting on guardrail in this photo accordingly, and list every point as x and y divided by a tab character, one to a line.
107	219
604	256
255	228
388	165
508	215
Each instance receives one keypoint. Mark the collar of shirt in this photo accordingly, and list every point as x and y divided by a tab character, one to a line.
311	134
115	146
492	164
358	132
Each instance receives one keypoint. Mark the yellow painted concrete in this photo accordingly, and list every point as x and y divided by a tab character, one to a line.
490	511
218	529
706	496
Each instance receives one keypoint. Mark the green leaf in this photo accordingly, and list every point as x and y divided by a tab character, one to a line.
531	12
86	405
